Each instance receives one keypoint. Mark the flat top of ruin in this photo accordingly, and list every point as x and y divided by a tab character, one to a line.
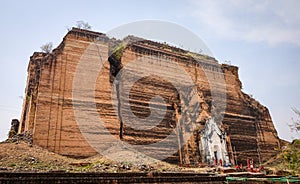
138	41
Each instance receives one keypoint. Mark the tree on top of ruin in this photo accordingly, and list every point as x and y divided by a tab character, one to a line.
47	48
83	25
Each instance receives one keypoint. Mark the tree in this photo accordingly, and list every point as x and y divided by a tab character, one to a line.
47	48
83	25
291	157
295	125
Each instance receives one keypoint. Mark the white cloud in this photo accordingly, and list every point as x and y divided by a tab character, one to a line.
272	22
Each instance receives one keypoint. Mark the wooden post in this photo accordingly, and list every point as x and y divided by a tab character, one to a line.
232	159
119	110
235	158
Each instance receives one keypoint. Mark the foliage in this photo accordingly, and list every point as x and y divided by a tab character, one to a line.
197	55
83	25
291	156
47	48
11	133
118	50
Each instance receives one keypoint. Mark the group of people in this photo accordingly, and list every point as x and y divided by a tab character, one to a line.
239	167
250	167
221	163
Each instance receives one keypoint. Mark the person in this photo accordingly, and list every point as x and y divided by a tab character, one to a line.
251	165
261	168
221	162
215	162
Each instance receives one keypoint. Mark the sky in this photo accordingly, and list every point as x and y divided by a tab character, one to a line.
261	37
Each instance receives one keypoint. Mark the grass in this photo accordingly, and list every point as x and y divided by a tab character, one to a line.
117	52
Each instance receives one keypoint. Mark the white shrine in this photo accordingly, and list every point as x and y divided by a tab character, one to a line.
213	144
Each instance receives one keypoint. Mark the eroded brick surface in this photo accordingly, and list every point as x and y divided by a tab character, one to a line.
48	106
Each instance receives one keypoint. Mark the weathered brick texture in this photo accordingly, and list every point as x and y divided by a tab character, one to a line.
48	106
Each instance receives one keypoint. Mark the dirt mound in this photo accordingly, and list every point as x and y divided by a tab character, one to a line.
16	155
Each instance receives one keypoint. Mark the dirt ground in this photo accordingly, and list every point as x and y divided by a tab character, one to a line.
24	157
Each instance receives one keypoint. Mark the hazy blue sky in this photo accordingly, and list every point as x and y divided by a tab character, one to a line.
261	37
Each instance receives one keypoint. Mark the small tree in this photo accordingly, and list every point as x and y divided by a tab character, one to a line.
295	125
83	25
47	48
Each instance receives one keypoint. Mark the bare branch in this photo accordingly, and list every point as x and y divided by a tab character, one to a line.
83	25
47	48
295	125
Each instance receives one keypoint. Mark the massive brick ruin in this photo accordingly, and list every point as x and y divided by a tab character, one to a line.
245	132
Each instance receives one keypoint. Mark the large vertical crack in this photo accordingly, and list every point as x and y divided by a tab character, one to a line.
116	51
